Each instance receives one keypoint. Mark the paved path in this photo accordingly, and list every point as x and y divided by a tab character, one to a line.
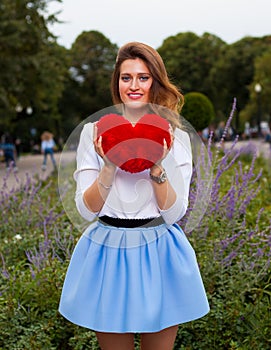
31	164
263	148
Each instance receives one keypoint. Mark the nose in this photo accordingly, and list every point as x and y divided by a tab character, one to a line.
134	84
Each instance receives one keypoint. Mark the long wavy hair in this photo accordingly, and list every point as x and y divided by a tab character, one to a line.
162	93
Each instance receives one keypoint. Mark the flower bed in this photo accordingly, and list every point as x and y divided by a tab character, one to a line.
232	243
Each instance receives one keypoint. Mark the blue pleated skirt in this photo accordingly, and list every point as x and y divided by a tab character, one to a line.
133	280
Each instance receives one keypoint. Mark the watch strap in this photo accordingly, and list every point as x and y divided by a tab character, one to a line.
159	179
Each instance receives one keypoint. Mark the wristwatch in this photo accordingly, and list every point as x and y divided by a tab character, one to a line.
159	179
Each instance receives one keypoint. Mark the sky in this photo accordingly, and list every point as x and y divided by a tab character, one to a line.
152	21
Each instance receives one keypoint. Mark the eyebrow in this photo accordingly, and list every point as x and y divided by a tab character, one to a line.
143	73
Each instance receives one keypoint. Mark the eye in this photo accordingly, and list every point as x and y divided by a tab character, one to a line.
125	78
144	78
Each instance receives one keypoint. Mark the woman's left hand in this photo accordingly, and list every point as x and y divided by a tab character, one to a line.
166	148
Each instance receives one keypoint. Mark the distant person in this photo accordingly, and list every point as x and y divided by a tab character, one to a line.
18	145
205	135
247	131
267	137
9	150
47	148
220	130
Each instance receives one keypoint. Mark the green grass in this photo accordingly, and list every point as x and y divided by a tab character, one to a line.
239	290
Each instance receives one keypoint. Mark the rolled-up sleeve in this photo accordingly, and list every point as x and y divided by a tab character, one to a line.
178	165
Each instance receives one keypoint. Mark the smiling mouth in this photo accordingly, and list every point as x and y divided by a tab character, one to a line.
134	96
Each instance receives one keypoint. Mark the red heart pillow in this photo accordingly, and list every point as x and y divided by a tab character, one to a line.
133	148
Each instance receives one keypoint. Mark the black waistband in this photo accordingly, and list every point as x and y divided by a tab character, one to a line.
130	223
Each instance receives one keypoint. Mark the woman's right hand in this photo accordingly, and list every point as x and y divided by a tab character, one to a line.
99	148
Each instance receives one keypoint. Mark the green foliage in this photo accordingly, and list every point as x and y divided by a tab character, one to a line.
239	290
24	211
63	86
29	317
33	66
189	59
92	61
214	68
234	260
262	74
198	110
36	238
234	71
36	243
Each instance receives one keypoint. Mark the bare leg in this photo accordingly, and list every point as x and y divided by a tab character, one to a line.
163	340
115	341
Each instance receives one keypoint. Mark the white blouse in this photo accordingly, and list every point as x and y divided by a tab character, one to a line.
131	195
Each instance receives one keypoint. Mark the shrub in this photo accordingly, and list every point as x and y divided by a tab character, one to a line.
198	110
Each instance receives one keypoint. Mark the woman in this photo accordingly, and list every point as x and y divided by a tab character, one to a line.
47	148
133	270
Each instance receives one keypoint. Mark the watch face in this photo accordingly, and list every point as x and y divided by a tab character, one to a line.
163	177
159	179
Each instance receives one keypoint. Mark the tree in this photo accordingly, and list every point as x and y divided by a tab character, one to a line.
31	74
233	73
262	75
88	90
198	110
189	59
